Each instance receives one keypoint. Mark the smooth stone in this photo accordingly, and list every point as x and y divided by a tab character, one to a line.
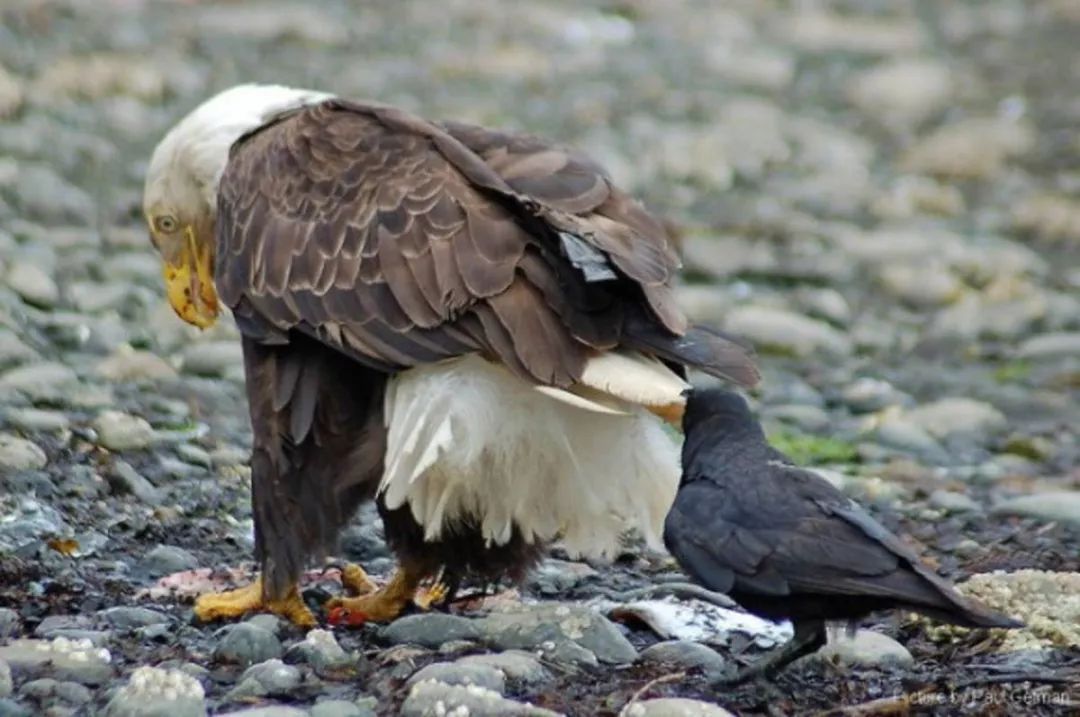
211	358
266	621
272	677
13	350
47	381
921	285
674	707
61	658
6	684
952	502
157	692
90	297
1062	506
120	431
866	395
903	434
972	148
268	711
10	623
559	631
1051	346
518	666
786	331
866	649
320	649
902	92
339	708
194	455
953	415
128	618
35	420
127	364
167	559
430	630
688	654
125	479
432	699
19	454
246	644
11	708
33	284
808	418
453	673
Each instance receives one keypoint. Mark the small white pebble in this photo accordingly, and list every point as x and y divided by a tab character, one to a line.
170	694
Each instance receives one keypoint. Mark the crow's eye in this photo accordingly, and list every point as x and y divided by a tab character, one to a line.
166	224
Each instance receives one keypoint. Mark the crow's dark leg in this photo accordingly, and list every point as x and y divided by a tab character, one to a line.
809	637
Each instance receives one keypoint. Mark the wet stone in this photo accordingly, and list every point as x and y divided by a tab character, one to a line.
19	454
866	649
686	654
125	479
246	644
5	680
561	631
434	699
35	420
128	618
120	431
272	677
10	624
11	708
340	708
430	629
166	559
1063	506
519	666
75	660
320	649
453	673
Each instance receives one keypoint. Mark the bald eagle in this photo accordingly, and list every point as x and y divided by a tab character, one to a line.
475	328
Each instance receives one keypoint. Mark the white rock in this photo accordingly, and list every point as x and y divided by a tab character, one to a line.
902	92
958	415
39	381
120	431
19	454
101	75
866	649
778	329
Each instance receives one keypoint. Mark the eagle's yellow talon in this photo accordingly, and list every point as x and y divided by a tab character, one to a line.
356	581
431	596
233	604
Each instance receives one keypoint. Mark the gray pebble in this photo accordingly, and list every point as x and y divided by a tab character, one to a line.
268	711
33	420
125	479
1051	346
266	621
688	654
131	617
19	454
11	708
120	431
430	629
45	382
211	358
73	693
5	680
958	415
167	559
61	658
454	673
246	644
953	502
787	332
10	623
33	284
39	689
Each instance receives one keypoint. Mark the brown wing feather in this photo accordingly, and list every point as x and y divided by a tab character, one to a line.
400	242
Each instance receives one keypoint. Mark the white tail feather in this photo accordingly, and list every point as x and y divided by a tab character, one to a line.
466	438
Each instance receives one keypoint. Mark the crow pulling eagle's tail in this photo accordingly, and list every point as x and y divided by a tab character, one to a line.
784	543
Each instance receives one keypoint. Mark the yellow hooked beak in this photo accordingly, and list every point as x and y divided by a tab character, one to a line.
189	283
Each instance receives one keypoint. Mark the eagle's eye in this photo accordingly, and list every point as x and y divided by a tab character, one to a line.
166	224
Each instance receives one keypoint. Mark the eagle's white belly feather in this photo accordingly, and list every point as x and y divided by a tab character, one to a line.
469	439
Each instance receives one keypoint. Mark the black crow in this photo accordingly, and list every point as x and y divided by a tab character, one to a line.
784	543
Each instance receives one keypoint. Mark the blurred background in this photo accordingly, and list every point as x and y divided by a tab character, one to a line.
883	196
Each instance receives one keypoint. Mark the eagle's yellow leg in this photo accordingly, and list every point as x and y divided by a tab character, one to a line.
385	603
236	603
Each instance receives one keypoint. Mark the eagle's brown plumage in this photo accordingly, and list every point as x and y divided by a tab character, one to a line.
398	242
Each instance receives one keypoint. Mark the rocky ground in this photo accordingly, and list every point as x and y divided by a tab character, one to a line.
881	196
